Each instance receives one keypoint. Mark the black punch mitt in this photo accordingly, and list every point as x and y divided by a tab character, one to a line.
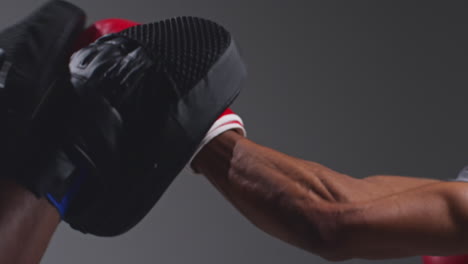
149	94
35	91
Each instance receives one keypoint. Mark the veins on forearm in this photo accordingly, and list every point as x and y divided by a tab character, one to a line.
264	171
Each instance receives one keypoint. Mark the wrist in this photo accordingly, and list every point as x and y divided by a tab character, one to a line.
227	121
25	220
219	151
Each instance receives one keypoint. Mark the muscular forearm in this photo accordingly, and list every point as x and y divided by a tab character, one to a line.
287	197
26	224
233	153
308	205
394	184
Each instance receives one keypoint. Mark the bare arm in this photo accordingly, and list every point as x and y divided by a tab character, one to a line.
332	214
26	224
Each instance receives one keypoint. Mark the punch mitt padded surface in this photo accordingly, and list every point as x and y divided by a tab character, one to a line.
151	93
34	92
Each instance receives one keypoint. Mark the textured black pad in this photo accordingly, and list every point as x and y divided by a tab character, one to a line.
34	82
188	47
190	72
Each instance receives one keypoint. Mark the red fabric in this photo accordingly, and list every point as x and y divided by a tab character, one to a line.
445	260
101	28
228	111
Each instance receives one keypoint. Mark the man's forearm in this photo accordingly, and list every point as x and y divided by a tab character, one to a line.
286	197
309	205
26	224
391	184
346	188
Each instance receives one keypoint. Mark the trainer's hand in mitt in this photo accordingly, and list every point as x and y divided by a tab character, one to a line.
35	95
149	95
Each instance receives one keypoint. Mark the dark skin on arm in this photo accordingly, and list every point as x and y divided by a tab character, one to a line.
332	214
303	203
26	224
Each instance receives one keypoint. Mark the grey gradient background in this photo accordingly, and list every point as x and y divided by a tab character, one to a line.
362	87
